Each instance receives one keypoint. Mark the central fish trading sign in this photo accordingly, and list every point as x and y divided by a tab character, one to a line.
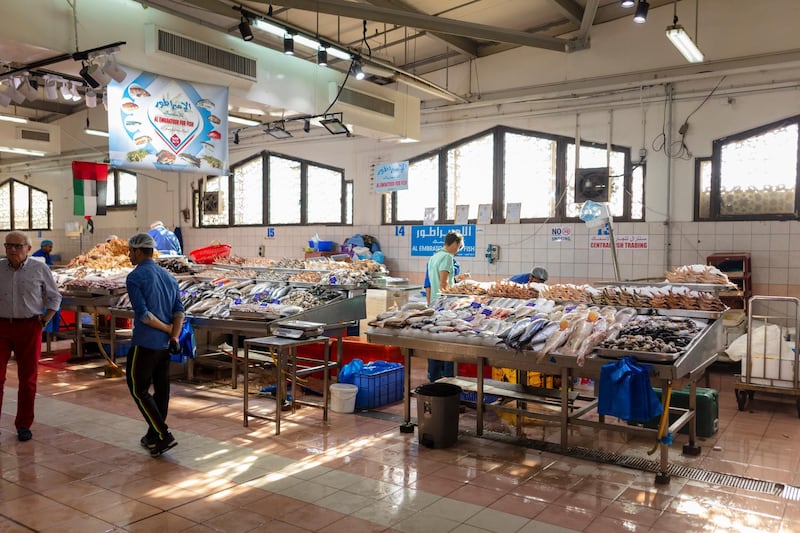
161	123
427	240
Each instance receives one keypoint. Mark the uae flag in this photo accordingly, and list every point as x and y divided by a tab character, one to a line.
89	184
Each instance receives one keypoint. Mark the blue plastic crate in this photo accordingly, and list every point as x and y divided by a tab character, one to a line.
379	383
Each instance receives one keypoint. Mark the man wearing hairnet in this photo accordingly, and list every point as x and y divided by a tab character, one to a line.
536	275
44	251
157	320
167	242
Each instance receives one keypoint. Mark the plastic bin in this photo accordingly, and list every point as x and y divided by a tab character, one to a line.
343	397
379	383
437	414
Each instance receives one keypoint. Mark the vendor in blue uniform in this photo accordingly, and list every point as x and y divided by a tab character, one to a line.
537	275
44	251
166	241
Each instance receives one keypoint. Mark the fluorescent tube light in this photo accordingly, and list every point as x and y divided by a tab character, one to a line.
269	27
306	41
18	120
233	119
96	133
338	54
23	151
684	44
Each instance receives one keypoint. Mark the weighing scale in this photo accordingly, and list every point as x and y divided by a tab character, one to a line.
299	329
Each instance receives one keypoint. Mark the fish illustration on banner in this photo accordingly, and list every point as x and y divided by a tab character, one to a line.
161	123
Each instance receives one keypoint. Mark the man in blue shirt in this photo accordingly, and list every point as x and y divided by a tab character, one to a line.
166	241
45	249
157	320
537	275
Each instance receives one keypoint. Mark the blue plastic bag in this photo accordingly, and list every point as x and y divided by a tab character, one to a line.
349	371
187	343
625	391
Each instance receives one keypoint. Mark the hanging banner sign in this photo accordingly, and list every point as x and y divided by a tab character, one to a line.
427	240
161	123
623	242
387	177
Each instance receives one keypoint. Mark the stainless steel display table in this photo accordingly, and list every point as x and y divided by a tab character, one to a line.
283	352
687	369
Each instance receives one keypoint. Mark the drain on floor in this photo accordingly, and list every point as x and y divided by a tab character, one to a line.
787	492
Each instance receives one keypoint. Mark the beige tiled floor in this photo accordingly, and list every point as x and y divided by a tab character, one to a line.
84	470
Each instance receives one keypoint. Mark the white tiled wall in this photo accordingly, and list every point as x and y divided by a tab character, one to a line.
775	249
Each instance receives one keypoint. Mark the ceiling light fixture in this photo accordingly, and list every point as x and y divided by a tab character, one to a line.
18	120
16	96
278	130
357	71
681	40
91	131
236	137
322	57
233	119
307	125
640	17
91	98
94	75
269	27
245	30
288	44
22	151
334	124
112	69
50	88
627	3
27	90
5	99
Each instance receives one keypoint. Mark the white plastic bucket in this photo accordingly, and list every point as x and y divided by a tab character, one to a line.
343	397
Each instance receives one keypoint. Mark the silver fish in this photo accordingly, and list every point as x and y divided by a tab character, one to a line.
205	104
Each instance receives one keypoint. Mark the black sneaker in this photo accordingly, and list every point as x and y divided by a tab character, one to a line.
148	442
162	445
24	434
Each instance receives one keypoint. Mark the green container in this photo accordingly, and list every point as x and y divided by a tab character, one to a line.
706	414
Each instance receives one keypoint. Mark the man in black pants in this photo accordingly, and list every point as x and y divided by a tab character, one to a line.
157	321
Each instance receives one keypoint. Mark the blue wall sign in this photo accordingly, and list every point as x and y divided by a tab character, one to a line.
427	240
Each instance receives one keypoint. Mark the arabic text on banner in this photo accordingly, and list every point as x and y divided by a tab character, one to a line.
161	123
426	240
389	177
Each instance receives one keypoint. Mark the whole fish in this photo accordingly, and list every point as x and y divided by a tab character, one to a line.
205	104
530	331
516	332
544	333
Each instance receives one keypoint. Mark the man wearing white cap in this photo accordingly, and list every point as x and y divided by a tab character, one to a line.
157	320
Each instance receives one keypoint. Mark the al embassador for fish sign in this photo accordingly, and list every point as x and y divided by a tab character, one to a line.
161	123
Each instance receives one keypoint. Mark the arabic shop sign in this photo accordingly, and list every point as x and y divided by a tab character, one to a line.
427	240
161	123
622	242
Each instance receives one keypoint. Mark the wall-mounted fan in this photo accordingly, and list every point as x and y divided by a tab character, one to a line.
591	184
212	203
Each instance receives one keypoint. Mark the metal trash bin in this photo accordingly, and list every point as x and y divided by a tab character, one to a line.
438	407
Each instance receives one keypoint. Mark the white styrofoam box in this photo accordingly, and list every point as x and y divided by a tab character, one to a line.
770	370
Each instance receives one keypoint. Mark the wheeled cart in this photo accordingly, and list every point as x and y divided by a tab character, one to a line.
770	364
